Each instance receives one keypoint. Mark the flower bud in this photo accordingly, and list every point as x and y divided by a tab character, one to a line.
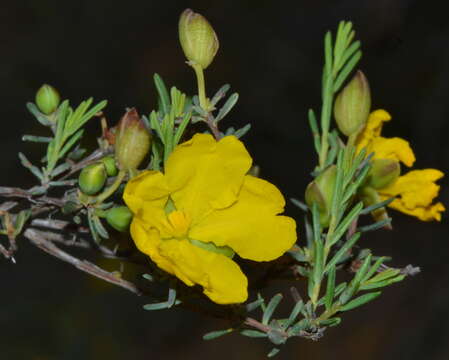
47	99
320	191
352	105
383	172
109	164
119	218
92	178
198	39
132	141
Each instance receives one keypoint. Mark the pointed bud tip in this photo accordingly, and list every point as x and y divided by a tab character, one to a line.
132	141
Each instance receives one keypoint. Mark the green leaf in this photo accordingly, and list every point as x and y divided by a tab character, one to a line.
60	169
148	277
298	327
374	268
182	126
72	141
163	94
331	322
344	225
21	219
156	306
34	169
342	251
381	284
253	333
242	131
389	273
294	314
299	204
359	301
330	290
38	139
315	131
273	352
216	334
156	125
254	305
101	230
227	107
374	207
347	69
220	94
271	307
32	108
377	225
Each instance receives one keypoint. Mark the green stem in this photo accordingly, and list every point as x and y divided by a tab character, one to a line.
326	111
111	189
201	86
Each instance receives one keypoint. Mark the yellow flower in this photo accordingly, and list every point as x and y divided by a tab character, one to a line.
414	191
191	219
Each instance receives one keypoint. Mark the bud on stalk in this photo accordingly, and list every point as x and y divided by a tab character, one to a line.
352	105
198	39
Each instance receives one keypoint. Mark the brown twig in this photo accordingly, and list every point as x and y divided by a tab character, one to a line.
213	126
97	154
38	238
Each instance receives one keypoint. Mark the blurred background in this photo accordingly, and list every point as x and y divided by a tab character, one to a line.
271	53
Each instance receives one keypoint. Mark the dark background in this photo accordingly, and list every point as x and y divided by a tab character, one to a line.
271	53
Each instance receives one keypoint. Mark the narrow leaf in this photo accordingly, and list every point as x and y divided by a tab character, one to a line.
163	93
271	307
361	300
216	334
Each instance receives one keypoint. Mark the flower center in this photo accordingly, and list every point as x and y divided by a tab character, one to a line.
179	222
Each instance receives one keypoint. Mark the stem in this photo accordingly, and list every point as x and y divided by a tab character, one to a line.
201	86
111	189
38	239
325	119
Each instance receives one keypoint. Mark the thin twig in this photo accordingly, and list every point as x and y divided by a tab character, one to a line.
97	154
38	239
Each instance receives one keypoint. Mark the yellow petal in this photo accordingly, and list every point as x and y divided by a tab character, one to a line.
148	188
373	128
392	148
147	241
204	174
250	226
416	191
221	278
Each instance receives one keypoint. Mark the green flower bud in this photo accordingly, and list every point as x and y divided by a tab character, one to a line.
109	164
119	218
132	141
320	191
352	105
47	99
92	178
198	39
383	172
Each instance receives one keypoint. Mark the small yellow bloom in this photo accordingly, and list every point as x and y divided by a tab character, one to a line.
191	219
414	191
